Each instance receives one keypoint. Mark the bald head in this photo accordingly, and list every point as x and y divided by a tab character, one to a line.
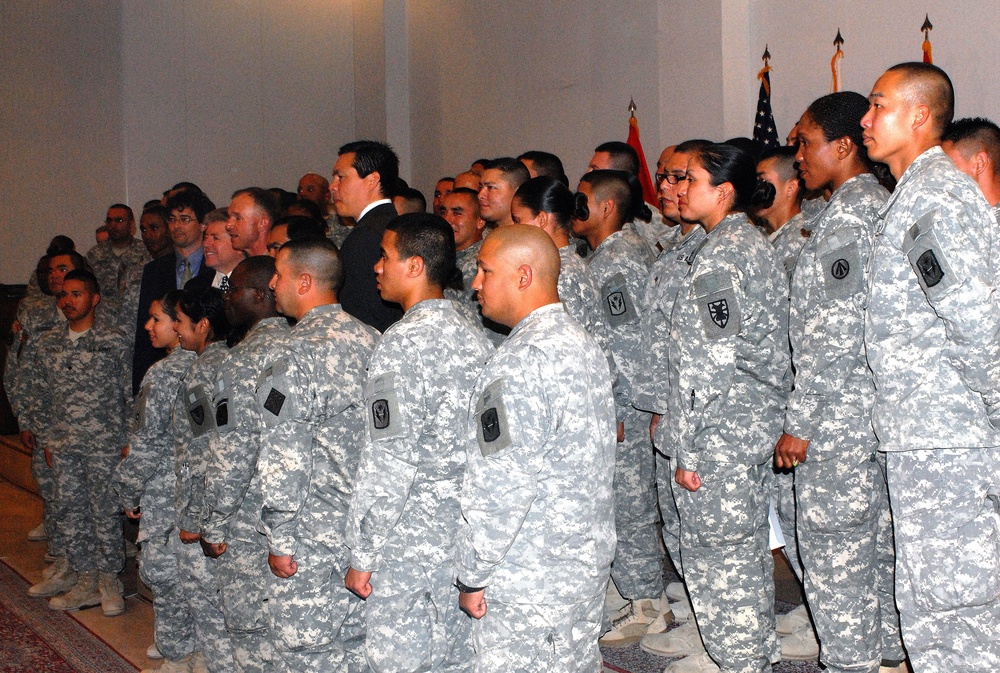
927	84
518	273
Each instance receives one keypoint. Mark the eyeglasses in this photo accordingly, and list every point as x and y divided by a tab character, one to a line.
115	220
671	178
184	219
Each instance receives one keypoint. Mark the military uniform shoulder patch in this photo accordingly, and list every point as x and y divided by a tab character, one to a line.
492	428
717	305
273	390
841	263
924	252
199	410
224	418
382	401
139	410
619	307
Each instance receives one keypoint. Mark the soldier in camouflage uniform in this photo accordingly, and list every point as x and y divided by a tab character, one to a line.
973	145
461	211
931	336
728	361
405	510
309	396
82	421
538	496
843	527
145	478
619	266
117	262
233	496
202	329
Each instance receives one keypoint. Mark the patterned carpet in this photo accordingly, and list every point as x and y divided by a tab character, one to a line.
37	639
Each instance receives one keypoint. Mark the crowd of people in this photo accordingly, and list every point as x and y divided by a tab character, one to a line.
358	435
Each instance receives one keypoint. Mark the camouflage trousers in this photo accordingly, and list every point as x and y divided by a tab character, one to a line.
240	573
728	568
671	531
200	587
173	631
947	528
89	509
414	622
783	497
845	541
638	566
51	517
528	638
316	623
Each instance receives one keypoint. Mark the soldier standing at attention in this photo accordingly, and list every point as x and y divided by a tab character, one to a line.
309	396
233	495
534	555
145	478
405	511
728	363
931	334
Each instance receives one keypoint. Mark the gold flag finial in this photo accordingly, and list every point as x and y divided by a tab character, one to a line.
927	27
767	55
631	108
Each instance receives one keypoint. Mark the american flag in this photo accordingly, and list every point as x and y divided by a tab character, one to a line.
765	132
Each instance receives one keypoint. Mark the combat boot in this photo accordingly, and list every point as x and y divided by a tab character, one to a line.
111	590
57	566
38	534
172	666
84	594
61	580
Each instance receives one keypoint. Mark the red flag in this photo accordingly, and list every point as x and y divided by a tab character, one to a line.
645	179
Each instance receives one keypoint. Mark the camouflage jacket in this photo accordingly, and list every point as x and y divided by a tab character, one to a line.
833	385
116	273
788	241
728	353
309	395
932	329
537	496
406	496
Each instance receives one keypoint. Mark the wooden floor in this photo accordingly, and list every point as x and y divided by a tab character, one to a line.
130	634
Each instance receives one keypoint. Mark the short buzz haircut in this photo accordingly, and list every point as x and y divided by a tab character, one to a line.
514	172
319	258
928	84
122	206
784	161
263	199
199	204
430	238
623	156
975	134
371	156
614	185
259	271
414	197
546	163
86	277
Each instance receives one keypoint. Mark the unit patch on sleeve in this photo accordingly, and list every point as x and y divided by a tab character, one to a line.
717	304
492	428
382	400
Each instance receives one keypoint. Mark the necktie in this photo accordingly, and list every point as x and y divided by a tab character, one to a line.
185	272
224	285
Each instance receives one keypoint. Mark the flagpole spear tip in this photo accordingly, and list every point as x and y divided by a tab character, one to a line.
631	108
928	26
767	54
839	40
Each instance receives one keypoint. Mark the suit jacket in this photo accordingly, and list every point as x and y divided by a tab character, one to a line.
158	278
360	252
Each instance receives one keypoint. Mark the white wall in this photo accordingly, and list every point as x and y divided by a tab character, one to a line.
108	100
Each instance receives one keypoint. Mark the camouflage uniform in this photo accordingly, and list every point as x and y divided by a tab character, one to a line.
840	490
35	316
465	299
309	395
667	277
728	361
538	498
192	422
788	241
931	336
405	511
233	497
620	268
117	274
336	230
146	478
80	392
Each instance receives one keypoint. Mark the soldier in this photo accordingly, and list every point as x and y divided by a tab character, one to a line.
538	498
500	179
202	328
666	279
931	330
309	396
461	211
145	478
973	145
405	510
783	212
117	262
619	265
233	495
843	524
81	419
728	361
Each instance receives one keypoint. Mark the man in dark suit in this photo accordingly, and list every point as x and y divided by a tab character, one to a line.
364	178
183	268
